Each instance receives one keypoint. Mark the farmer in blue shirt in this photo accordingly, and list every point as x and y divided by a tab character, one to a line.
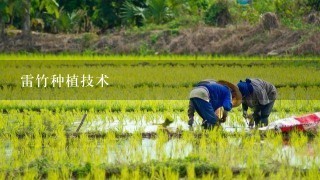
208	96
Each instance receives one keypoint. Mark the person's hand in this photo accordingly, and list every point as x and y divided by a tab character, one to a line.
251	123
224	117
190	122
245	114
219	112
251	120
222	120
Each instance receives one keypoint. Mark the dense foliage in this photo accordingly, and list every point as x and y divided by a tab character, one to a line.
218	14
76	16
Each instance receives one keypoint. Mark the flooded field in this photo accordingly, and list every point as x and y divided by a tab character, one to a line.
46	143
125	135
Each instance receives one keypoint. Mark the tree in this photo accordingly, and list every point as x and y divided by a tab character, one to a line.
3	17
107	15
158	11
49	6
314	4
26	30
7	10
132	14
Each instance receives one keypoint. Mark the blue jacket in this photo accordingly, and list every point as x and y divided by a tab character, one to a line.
219	95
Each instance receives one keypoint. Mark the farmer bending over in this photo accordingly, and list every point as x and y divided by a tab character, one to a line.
260	96
208	96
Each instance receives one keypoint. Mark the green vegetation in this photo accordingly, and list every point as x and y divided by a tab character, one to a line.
218	14
174	79
35	143
38	139
70	16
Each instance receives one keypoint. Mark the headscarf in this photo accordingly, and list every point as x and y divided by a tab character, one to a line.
245	87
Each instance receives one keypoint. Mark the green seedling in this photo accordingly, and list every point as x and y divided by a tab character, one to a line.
168	120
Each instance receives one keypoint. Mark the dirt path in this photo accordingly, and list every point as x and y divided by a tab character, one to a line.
236	40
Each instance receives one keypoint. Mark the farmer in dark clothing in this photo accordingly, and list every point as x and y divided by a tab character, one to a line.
208	96
260	96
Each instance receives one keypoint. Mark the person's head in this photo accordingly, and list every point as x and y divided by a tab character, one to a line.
245	87
236	94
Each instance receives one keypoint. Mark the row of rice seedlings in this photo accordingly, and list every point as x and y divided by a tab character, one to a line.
48	122
177	78
138	106
101	106
239	152
173	85
151	94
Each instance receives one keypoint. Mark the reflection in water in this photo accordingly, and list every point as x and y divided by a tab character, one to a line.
129	126
289	155
133	150
130	150
125	152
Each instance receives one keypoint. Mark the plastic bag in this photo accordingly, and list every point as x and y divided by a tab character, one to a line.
309	122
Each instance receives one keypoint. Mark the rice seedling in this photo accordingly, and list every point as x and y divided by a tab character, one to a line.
121	138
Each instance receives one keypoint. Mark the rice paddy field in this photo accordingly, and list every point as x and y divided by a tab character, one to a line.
122	137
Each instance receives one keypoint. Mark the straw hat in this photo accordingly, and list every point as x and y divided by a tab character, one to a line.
236	94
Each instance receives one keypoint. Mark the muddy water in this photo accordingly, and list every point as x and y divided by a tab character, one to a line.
144	150
148	150
129	126
290	155
179	148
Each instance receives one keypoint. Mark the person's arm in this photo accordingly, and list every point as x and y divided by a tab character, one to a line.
224	116
244	106
244	109
191	111
227	104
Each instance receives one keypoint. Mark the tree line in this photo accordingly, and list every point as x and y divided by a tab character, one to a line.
75	16
82	15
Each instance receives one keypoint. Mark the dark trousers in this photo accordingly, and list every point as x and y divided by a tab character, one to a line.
261	114
206	112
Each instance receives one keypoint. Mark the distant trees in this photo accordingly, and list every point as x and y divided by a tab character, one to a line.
315	4
82	15
160	11
107	13
3	17
6	14
23	10
74	16
132	14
